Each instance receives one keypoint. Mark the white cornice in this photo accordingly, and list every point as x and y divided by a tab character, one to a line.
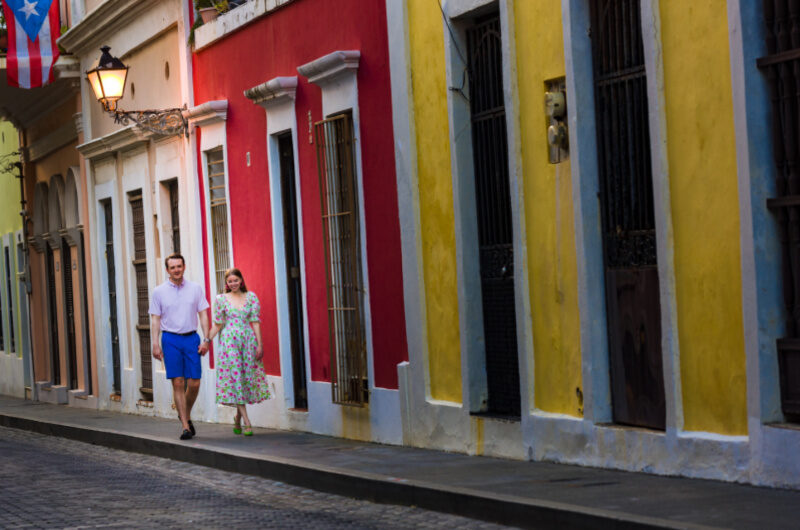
122	140
331	66
105	19
273	92
207	113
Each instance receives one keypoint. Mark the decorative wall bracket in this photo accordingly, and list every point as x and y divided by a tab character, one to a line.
166	122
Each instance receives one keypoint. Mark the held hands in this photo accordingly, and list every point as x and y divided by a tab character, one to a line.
203	348
157	353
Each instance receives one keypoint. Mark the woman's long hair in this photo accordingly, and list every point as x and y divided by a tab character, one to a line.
238	274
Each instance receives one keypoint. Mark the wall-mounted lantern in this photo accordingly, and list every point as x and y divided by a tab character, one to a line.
108	83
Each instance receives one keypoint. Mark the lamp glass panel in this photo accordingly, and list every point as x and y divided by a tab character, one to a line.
94	80
113	82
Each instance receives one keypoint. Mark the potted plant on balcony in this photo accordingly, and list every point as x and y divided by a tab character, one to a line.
210	9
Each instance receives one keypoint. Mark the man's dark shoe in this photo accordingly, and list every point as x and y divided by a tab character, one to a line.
191	427
186	434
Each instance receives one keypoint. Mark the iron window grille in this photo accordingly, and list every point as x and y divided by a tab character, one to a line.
218	202
342	246
175	220
782	68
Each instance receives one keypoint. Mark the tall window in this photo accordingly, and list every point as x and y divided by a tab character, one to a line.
780	67
142	299
173	211
10	299
219	214
340	224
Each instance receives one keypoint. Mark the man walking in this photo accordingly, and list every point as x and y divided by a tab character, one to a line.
175	308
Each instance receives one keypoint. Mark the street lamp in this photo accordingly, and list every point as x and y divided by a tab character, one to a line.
108	83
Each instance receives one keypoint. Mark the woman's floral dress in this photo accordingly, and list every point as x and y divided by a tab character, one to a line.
240	379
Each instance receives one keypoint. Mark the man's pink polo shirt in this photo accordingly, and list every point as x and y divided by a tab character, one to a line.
178	305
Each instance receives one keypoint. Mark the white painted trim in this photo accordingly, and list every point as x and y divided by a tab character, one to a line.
125	139
327	68
278	91
208	113
280	110
414	375
662	207
215	135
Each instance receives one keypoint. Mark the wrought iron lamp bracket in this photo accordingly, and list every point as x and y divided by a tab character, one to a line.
167	122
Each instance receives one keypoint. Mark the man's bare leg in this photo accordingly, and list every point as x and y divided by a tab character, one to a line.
179	397
192	388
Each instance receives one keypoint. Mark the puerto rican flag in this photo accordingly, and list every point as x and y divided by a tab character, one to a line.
33	27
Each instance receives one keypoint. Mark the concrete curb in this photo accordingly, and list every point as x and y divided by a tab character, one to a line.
503	509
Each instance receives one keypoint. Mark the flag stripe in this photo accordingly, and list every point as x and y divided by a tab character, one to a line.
35	66
11	56
23	57
55	32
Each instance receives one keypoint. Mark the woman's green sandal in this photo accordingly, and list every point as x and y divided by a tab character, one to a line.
237	428
248	430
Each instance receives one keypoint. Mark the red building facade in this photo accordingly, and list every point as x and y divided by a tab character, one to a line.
275	73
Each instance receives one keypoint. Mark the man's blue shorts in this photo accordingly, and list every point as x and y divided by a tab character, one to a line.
180	355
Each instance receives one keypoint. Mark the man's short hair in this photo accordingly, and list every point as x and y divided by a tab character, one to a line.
174	256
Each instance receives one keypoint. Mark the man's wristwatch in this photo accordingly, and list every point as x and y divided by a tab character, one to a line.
206	340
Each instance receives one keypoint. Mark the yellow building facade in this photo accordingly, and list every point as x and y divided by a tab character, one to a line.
573	393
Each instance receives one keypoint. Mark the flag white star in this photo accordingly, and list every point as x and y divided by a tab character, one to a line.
29	9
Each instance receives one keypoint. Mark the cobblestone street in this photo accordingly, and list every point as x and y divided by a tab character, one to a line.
50	482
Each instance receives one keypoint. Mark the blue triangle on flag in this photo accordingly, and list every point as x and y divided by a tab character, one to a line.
30	14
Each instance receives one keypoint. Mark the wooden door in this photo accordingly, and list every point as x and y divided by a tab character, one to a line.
628	221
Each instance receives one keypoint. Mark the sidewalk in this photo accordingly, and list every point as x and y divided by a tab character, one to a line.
529	494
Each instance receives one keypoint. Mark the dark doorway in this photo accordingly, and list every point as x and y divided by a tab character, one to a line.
628	221
291	237
142	296
52	321
493	202
112	297
69	297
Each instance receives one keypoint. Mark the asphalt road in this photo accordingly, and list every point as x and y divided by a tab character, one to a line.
50	482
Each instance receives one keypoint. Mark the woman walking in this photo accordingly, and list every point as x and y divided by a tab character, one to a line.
240	380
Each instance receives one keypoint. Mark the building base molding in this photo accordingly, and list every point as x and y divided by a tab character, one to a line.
50	393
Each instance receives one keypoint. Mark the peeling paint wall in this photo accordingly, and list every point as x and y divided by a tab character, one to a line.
705	210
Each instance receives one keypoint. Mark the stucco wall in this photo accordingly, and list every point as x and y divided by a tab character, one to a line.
705	212
10	219
549	218
436	198
295	35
